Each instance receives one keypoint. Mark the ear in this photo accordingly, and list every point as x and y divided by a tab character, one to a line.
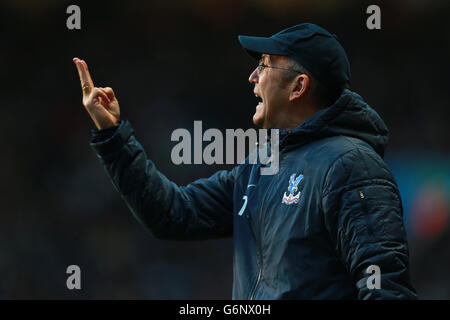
300	87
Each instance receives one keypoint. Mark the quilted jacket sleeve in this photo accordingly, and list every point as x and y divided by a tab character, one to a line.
201	210
363	215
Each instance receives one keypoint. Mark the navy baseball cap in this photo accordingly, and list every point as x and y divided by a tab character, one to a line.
312	46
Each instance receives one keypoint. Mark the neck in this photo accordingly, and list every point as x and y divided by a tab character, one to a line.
297	115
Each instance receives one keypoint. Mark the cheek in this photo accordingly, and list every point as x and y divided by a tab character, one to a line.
276	103
271	97
278	93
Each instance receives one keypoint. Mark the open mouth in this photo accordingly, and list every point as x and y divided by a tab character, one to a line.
259	99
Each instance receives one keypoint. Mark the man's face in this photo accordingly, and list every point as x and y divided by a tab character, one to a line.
272	111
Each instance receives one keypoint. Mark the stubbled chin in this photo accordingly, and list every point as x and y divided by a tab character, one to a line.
258	117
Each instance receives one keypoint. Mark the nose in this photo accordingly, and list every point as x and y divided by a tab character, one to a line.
253	76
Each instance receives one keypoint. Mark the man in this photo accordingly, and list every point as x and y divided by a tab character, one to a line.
325	224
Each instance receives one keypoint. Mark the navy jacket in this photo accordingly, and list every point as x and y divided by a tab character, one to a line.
309	232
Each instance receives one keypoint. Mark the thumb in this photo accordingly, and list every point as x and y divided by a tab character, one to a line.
110	93
98	93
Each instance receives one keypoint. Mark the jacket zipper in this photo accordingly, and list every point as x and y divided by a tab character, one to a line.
259	243
256	284
259	249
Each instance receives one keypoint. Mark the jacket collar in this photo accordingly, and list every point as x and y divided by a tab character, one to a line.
350	115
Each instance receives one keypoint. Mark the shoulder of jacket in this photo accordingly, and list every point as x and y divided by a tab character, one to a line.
360	163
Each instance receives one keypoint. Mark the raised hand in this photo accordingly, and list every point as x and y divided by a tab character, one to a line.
100	103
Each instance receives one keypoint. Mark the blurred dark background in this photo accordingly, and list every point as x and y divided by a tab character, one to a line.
170	63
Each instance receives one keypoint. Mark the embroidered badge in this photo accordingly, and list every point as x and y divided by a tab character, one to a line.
291	198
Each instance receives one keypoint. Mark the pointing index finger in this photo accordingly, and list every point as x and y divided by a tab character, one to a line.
83	72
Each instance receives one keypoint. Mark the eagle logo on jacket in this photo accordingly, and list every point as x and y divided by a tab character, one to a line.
293	183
